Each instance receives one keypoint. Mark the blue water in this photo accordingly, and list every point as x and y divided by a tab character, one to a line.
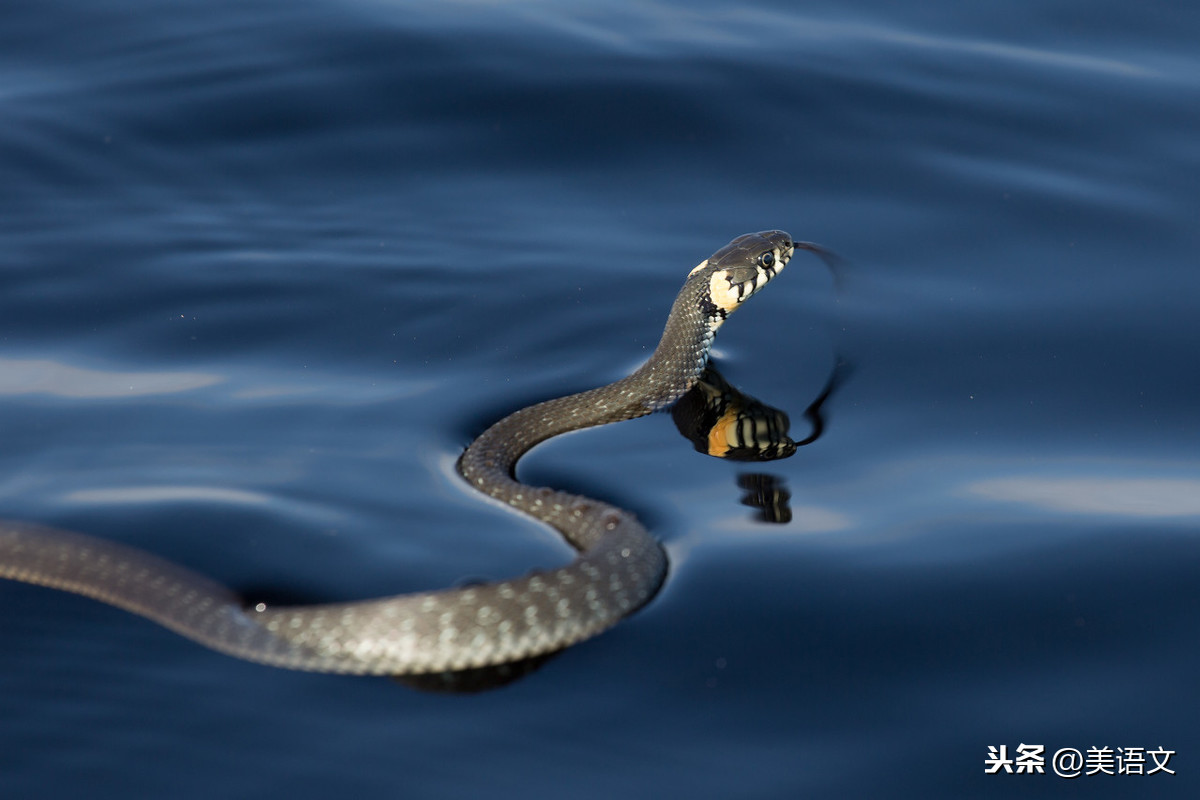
267	267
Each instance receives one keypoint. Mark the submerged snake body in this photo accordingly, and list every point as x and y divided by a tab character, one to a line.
620	566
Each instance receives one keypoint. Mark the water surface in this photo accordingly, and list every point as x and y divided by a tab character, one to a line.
267	268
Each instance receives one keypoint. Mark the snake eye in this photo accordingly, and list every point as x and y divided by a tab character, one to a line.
767	260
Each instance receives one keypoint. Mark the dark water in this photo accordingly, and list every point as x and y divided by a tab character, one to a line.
267	267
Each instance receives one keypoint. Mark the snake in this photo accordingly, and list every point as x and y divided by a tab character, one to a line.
619	566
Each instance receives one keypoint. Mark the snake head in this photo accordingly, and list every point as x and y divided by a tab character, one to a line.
742	267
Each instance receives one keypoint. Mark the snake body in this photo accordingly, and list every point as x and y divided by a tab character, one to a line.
619	565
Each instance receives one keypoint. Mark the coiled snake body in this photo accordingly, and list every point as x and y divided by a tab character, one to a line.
619	567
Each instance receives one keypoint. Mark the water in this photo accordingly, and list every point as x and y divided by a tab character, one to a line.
267	267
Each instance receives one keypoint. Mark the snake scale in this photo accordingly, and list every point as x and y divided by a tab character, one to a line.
619	565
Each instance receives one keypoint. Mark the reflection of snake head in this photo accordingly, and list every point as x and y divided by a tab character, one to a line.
739	269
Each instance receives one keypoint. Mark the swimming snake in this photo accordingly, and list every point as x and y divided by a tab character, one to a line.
618	568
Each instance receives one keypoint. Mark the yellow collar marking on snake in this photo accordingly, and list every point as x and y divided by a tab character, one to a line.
723	291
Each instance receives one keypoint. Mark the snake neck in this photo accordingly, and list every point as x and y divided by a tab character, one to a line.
681	354
672	369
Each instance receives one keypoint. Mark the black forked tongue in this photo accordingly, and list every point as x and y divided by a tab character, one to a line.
836	264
